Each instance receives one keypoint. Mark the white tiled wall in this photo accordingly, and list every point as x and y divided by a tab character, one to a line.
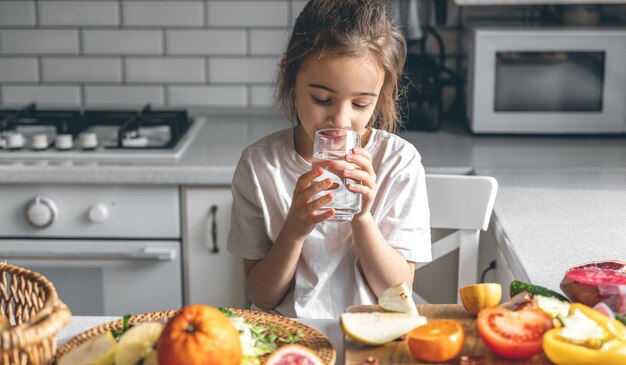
190	53
171	53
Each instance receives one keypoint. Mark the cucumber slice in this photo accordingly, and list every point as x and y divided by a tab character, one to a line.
517	287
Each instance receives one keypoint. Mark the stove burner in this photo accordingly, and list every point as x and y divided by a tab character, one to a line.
29	128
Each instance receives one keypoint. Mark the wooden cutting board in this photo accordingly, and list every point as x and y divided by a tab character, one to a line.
397	352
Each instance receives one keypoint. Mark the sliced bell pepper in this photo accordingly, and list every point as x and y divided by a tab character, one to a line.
612	352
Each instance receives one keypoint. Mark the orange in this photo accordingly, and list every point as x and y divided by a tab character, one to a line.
437	341
199	335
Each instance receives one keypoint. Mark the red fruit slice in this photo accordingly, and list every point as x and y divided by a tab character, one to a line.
293	354
595	282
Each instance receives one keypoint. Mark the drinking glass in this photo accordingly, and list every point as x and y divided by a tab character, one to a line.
330	147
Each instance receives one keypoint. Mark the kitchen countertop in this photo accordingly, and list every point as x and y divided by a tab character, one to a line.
561	199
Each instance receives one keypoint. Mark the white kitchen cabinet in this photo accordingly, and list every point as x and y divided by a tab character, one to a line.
212	274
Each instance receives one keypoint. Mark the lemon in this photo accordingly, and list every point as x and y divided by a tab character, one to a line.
398	299
138	343
476	297
98	350
379	328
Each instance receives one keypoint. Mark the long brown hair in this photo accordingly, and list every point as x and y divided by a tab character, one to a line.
345	27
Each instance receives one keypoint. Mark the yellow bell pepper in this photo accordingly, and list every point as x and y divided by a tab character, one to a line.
612	352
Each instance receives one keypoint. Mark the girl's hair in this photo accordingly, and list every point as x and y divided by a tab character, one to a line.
339	28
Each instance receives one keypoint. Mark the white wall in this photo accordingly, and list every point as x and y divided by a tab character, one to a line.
131	52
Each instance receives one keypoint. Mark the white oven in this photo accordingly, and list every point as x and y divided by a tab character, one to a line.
108	249
547	80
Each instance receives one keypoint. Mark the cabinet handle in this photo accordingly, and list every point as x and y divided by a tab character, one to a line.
213	211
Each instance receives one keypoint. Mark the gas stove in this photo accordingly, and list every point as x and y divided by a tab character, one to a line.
146	134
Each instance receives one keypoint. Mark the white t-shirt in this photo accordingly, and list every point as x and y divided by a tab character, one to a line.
327	277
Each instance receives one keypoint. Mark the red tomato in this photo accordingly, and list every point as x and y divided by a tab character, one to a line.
513	334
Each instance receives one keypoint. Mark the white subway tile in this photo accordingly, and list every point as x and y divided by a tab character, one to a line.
81	69
50	95
124	95
268	42
207	95
163	13
18	69
243	70
296	9
215	42
39	41
248	13
79	13
20	13
262	95
165	70
123	41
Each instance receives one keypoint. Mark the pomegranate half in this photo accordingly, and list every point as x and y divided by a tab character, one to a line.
595	282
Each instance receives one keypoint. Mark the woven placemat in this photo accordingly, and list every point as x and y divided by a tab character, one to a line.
311	337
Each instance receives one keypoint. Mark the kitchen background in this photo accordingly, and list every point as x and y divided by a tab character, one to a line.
188	53
205	54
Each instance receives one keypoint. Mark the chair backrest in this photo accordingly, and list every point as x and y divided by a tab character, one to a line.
462	203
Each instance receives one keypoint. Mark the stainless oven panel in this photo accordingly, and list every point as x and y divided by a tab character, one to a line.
94	211
109	278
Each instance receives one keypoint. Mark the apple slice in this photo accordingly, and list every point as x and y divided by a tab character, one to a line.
138	343
379	328
398	299
99	350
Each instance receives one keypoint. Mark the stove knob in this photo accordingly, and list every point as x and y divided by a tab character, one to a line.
40	142
98	213
41	212
88	140
63	142
15	141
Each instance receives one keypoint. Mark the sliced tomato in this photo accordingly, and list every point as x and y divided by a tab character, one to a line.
513	334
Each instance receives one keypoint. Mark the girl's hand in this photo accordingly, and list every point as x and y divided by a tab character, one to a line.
365	174
304	212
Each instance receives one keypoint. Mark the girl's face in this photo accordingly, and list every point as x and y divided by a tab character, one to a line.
337	92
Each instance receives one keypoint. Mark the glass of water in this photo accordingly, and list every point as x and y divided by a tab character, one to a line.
330	147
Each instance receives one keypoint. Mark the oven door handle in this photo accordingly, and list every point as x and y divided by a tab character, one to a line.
147	254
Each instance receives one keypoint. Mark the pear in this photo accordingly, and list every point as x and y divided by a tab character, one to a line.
98	350
379	328
398	299
138	343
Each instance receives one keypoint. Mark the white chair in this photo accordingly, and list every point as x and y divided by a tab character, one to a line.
462	203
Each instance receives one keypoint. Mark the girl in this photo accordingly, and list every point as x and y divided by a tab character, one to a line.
340	70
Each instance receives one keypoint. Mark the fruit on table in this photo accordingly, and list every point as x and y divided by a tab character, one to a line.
98	350
587	338
513	334
199	335
398	299
138	343
437	341
480	296
594	282
379	328
293	354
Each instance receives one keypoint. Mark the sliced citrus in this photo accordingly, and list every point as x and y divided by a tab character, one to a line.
98	350
437	341
293	354
137	343
379	328
476	297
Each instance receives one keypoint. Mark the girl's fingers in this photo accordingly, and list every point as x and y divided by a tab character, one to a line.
316	204
360	175
306	179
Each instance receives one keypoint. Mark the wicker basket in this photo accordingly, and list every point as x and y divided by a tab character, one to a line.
31	304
